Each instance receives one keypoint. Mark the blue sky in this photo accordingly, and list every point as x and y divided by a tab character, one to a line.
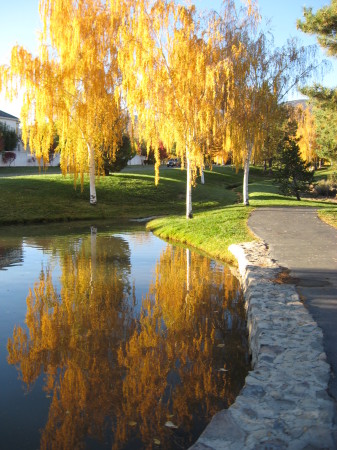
20	24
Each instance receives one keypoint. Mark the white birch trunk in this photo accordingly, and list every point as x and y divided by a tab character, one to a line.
92	175
246	174
189	214
202	176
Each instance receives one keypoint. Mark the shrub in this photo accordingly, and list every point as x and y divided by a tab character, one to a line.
9	138
8	157
326	188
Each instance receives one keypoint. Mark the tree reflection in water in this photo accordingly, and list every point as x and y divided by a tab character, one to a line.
118	378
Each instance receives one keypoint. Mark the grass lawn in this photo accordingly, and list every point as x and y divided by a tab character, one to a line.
213	231
30	196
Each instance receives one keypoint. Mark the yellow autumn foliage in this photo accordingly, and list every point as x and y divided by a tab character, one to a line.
306	132
70	87
104	364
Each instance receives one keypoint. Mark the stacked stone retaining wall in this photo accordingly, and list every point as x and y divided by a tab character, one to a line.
284	403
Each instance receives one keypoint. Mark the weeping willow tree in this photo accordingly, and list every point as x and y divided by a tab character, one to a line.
70	87
169	63
251	93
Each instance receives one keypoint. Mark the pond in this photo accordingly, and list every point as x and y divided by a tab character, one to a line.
114	339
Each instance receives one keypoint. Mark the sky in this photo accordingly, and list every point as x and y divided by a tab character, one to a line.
20	24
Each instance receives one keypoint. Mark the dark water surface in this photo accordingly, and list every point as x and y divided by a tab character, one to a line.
113	340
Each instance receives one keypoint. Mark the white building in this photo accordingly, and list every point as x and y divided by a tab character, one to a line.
23	157
137	160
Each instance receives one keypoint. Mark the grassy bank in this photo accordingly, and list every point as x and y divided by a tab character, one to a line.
219	220
50	197
213	231
210	231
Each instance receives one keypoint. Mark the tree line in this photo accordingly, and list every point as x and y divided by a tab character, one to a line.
207	84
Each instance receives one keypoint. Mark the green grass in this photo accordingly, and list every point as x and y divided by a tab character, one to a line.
22	171
329	215
29	196
213	231
130	194
209	231
324	173
265	193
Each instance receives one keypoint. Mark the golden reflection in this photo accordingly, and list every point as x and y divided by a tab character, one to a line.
73	337
174	358
175	365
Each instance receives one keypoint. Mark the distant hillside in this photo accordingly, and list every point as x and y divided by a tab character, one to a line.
294	103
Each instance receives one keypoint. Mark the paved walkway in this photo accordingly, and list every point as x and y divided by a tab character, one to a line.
285	403
298	240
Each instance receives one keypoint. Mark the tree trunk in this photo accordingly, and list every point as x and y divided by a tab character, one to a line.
246	174
188	309
93	235
202	175
92	175
188	270
189	213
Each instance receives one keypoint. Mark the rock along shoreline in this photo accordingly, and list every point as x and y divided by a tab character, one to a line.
284	403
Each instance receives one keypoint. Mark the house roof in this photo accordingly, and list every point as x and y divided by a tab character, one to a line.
5	115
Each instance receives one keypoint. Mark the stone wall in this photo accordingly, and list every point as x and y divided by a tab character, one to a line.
284	403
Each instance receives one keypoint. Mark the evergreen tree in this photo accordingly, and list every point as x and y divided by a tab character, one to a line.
8	138
292	175
326	130
323	24
117	162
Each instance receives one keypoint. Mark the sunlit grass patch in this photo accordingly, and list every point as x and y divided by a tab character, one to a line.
329	216
209	231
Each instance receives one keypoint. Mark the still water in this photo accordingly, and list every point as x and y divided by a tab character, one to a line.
114	339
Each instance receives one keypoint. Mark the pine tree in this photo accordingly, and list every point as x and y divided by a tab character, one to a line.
117	162
323	24
8	138
292	175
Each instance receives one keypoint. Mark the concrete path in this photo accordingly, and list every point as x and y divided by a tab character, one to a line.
299	241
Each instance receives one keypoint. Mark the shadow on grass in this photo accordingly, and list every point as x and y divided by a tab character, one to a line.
271	197
146	177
